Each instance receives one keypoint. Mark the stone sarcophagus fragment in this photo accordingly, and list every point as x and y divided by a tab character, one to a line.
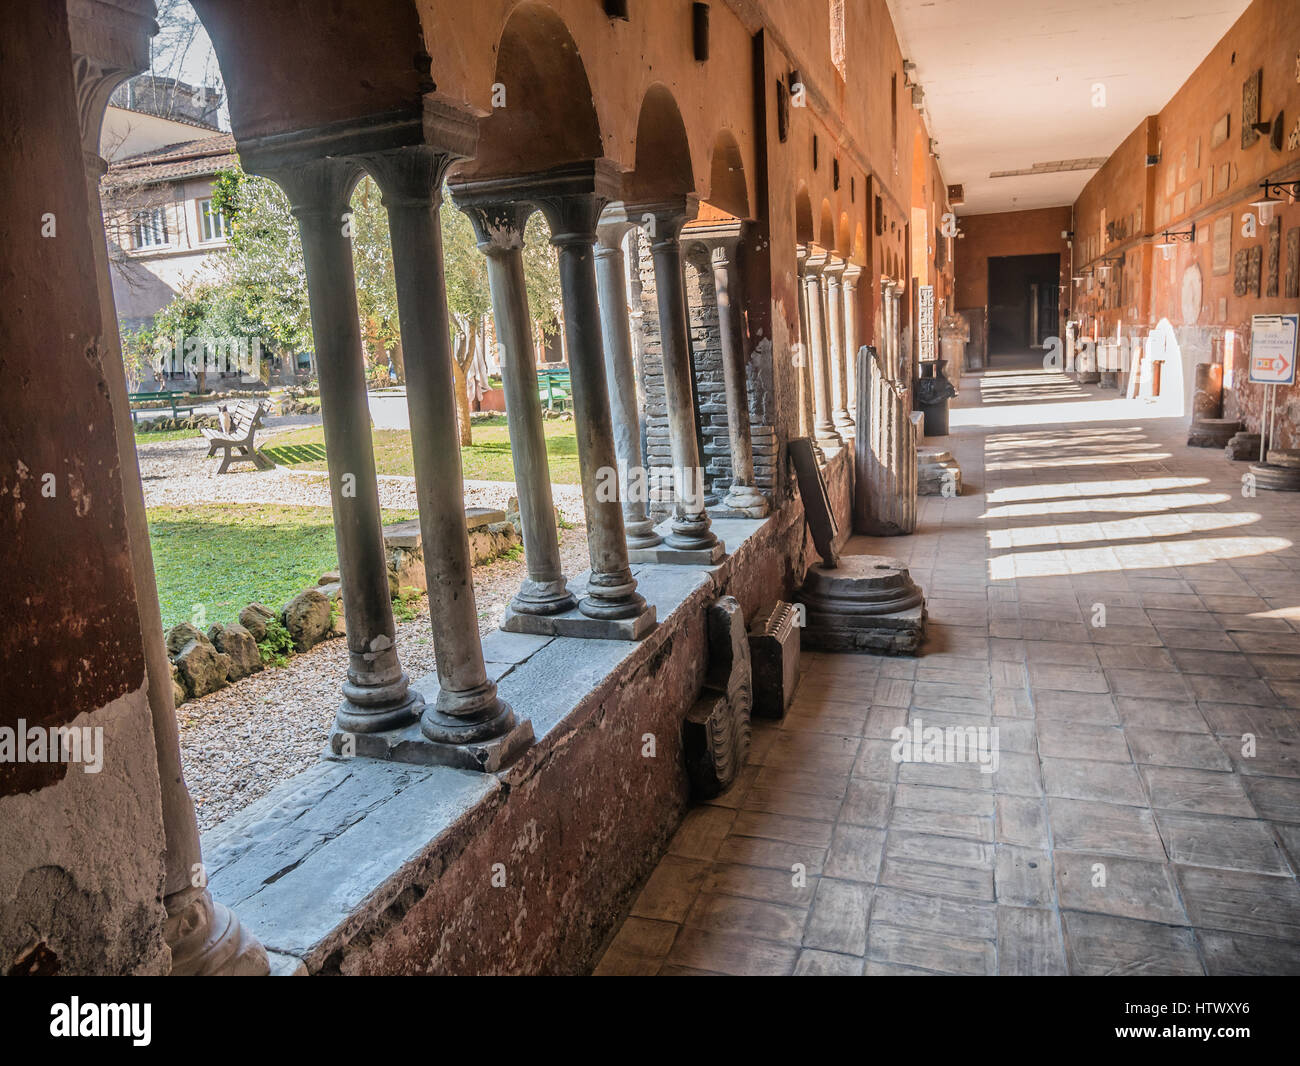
884	498
774	659
715	734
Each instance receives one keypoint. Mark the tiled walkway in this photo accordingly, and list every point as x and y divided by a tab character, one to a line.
1124	830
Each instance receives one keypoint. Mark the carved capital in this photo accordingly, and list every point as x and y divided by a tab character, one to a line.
319	189
409	177
663	220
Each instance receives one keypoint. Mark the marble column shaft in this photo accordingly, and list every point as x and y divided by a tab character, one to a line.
376	693
819	356
500	228
620	372
468	710
611	588
852	274
837	353
724	255
690	524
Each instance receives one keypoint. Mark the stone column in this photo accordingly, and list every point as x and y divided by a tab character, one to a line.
807	413
689	526
823	426
110	43
572	199
723	242
469	726
849	291
885	480
499	226
620	371
838	354
376	694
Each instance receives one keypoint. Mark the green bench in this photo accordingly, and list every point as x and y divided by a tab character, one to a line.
150	401
554	388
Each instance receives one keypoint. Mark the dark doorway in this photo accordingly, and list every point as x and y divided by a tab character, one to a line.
1023	301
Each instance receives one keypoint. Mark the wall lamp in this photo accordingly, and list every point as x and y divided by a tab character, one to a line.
1103	267
1266	204
1170	238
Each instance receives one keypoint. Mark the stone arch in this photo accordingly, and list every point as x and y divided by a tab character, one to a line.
803	216
826	227
548	118
728	189
388	68
663	152
844	241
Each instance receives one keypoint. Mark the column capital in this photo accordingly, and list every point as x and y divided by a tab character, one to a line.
852	273
816	262
720	238
499	219
317	188
612	227
834	270
410	176
571	197
664	219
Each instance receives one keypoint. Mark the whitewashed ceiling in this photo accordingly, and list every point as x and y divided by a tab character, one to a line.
1012	83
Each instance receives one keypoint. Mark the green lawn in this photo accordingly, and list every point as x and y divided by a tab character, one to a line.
225	556
487	459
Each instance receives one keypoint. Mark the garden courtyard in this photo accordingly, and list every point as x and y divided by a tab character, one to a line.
223	541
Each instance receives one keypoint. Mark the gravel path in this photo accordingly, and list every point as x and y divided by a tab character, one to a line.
179	472
240	742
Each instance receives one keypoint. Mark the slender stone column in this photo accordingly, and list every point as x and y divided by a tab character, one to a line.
838	353
690	524
889	347
376	694
469	726
109	44
852	273
807	414
499	226
572	199
620	370
823	427
723	242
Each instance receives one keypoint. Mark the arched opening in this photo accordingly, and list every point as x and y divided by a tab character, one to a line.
727	187
663	152
542	115
803	216
826	227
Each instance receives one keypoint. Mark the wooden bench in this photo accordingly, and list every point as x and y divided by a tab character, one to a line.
179	402
245	418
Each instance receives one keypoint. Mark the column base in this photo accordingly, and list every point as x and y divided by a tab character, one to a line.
868	603
574	623
845	426
640	533
355	717
410	745
705	555
828	438
207	940
543	597
743	501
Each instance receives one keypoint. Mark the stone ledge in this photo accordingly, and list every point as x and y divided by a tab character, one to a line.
328	863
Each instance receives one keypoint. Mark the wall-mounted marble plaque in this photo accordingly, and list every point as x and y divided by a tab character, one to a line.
1256	270
1222	245
1219	133
1274	256
1250	107
1225	177
1180	205
1240	272
1292	290
1193	196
